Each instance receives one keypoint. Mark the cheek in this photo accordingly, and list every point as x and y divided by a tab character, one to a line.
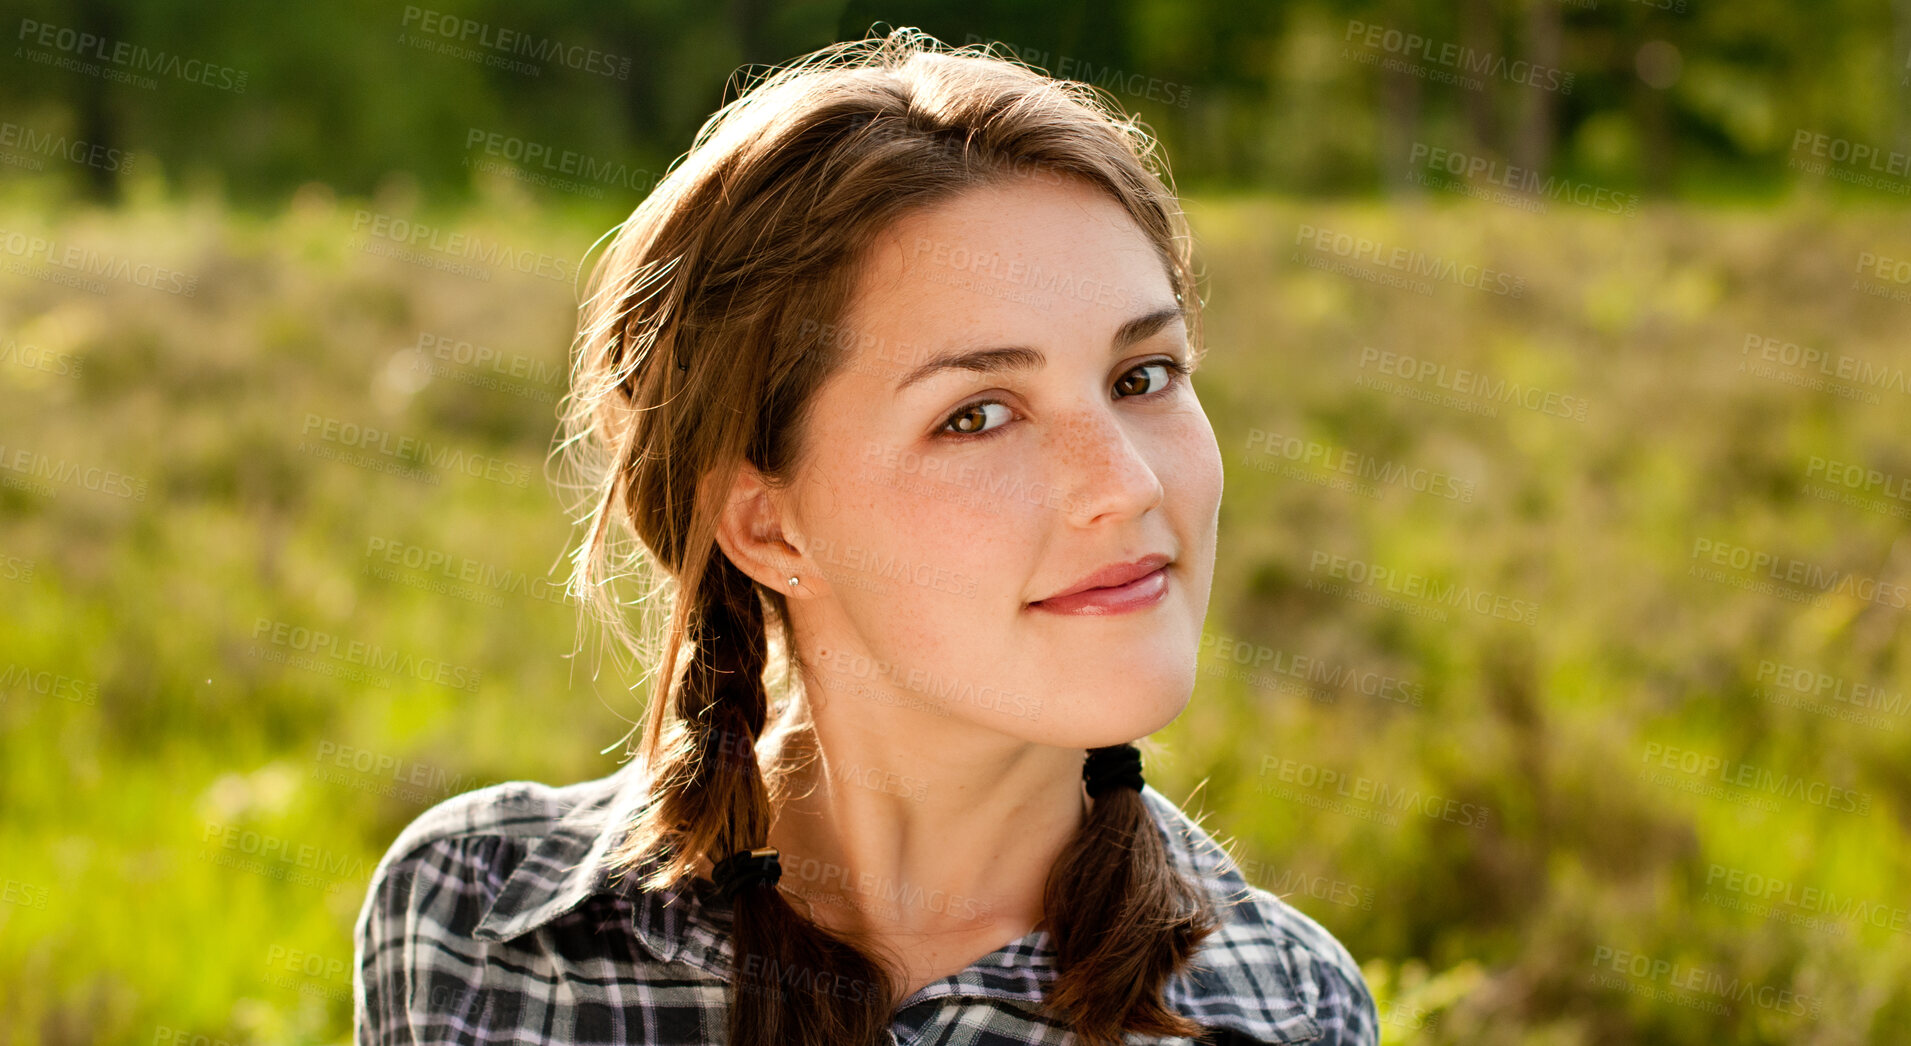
1191	472
932	532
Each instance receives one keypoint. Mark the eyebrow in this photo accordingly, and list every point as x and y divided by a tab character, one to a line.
1021	357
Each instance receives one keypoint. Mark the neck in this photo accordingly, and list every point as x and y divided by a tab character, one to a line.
897	822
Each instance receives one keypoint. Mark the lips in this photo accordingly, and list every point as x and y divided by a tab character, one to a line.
1113	589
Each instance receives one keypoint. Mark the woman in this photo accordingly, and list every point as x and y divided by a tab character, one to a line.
889	379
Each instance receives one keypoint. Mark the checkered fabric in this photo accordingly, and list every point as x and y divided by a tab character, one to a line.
492	919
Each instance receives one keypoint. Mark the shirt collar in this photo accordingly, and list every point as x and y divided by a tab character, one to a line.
571	864
1240	977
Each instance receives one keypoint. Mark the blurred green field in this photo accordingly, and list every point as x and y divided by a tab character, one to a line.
1493	813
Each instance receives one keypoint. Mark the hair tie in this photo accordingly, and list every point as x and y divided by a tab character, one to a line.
746	868
1116	766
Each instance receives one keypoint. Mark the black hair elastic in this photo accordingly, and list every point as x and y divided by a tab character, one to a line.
1116	766
746	868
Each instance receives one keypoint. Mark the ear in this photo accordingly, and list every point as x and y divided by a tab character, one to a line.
753	531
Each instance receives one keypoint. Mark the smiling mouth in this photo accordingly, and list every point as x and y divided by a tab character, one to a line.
1138	594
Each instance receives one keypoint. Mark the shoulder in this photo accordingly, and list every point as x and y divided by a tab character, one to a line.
1269	969
447	868
416	945
1322	972
473	840
462	837
512	809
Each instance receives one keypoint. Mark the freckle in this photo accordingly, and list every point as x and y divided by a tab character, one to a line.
1075	448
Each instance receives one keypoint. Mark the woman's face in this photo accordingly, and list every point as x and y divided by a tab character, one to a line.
936	504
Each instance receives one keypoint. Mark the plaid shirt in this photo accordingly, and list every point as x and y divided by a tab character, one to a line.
492	920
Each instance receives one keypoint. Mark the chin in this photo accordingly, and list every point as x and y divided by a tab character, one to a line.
1091	721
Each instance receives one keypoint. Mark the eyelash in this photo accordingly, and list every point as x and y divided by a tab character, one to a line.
1177	374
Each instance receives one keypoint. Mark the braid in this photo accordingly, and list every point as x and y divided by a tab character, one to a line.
1123	919
776	948
723	701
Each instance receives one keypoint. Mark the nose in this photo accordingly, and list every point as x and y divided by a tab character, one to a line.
1100	471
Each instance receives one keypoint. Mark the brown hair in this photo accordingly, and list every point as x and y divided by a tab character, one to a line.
704	332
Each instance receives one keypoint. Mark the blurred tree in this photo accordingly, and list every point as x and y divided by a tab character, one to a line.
1259	95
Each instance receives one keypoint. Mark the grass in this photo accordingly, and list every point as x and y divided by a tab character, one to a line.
1466	797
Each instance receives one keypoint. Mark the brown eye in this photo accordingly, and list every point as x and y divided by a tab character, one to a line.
1168	368
972	420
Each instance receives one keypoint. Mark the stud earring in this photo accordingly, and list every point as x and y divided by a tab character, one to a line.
792	581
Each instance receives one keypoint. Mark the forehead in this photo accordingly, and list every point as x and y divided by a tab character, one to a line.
1026	261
